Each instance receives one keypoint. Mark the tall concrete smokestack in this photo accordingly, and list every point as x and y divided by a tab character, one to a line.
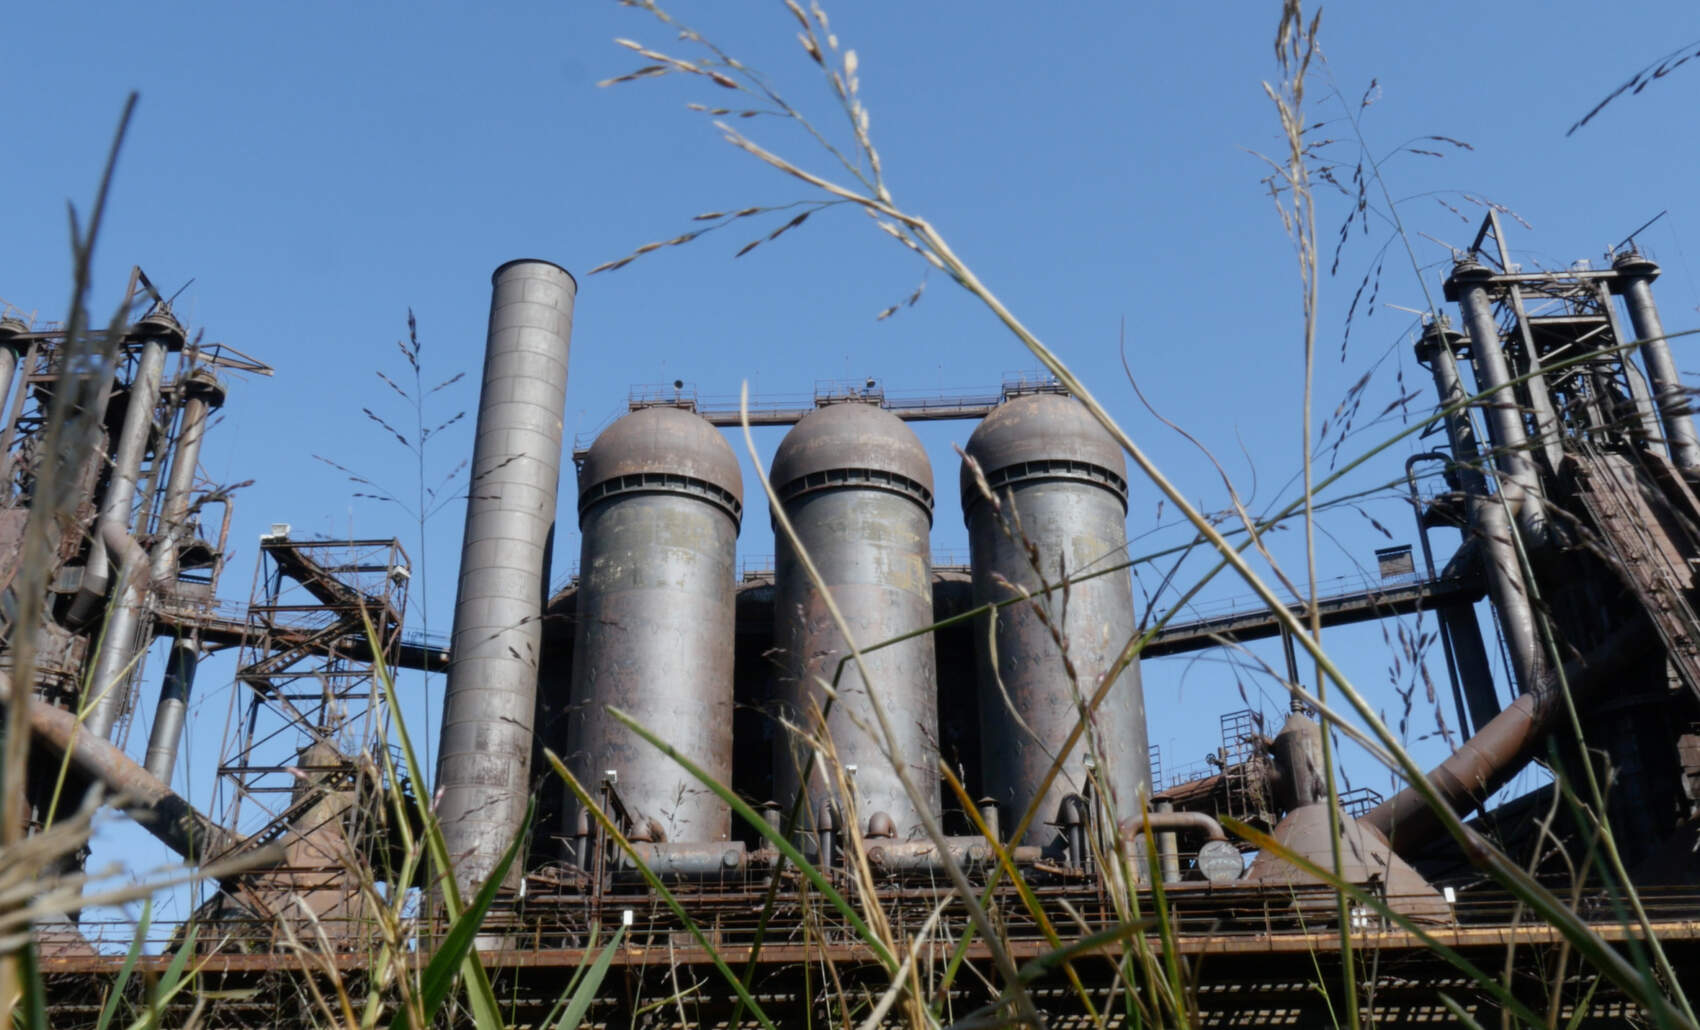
484	766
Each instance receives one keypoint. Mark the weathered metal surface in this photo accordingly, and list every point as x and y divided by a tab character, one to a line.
1671	397
122	640
1301	779
1062	477
1166	823
1364	859
658	520
857	487
671	860
483	772
12	350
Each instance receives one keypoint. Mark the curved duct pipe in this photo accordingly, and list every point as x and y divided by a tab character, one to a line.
1489	525
1173	822
152	804
484	763
119	644
1519	479
1488	760
1166	824
1638	273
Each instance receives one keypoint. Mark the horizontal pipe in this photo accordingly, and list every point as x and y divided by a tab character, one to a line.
152	804
914	856
1488	760
679	860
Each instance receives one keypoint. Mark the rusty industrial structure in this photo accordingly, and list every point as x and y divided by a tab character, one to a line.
1570	467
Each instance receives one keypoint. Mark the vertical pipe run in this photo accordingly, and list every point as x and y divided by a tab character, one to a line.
11	352
1469	653
1519	480
201	392
17	352
1488	523
484	763
1638	273
119	644
173	704
1169	848
132	444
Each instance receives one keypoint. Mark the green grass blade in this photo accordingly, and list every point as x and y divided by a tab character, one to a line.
457	951
170	982
110	1009
586	992
34	1014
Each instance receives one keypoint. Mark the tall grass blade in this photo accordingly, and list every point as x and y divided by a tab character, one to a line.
457	948
116	994
592	983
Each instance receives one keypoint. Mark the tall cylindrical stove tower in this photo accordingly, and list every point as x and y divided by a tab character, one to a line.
858	489
660	501
1062	478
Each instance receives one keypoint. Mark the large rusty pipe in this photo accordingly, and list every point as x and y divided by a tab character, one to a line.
1165	824
1488	760
1672	400
916	856
484	763
1173	822
151	803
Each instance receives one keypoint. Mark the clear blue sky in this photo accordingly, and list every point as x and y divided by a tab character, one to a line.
317	169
